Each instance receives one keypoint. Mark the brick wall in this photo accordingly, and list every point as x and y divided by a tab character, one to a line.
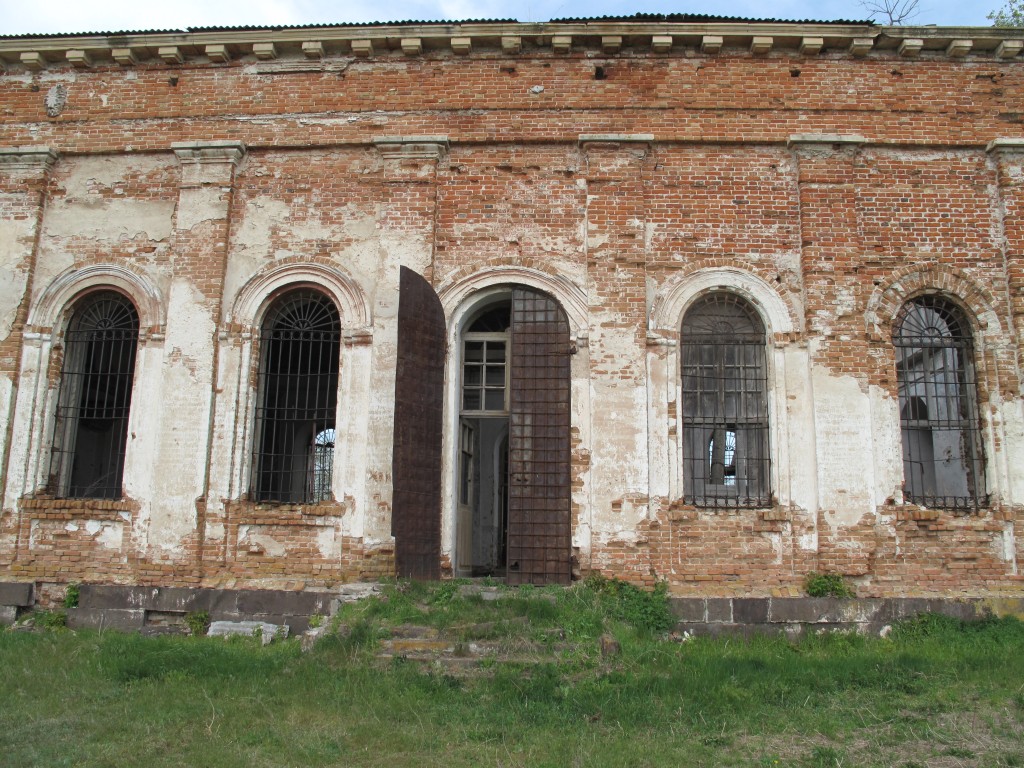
838	185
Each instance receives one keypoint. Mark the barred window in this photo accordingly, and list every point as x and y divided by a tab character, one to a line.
91	427
942	457
724	404
298	397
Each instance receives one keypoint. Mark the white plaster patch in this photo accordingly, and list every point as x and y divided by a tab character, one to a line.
252	541
842	415
1009	553
15	247
808	542
87	173
327	542
888	449
106	220
201	205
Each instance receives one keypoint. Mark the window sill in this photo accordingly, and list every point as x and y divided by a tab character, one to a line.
71	508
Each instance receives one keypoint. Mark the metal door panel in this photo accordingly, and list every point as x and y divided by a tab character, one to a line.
419	403
539	517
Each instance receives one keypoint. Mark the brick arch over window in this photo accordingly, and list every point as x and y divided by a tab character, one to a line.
457	296
683	289
255	297
57	299
889	298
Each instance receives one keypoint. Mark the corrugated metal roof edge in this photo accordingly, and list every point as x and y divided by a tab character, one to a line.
703	18
671	18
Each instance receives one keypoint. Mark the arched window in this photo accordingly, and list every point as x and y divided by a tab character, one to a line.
942	457
91	426
298	399
724	404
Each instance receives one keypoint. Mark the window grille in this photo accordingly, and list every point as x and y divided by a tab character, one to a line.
724	405
91	426
298	396
943	466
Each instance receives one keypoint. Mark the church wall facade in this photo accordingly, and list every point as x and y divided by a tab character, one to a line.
824	188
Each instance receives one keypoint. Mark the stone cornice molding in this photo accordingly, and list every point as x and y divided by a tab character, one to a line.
1014	145
411	147
22	159
208	152
272	48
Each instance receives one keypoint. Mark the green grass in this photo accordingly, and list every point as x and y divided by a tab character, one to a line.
936	692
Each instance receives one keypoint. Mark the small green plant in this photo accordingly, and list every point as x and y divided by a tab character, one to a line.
646	610
198	623
316	620
827	585
51	620
71	595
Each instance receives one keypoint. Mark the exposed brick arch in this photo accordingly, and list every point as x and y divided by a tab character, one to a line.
912	280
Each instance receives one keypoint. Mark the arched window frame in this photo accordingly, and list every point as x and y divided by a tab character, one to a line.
90	437
941	431
296	407
793	456
724	394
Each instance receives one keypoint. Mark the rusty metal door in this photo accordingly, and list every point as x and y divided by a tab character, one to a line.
539	515
419	401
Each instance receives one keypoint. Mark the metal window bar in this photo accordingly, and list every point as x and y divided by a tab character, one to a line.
91	424
297	403
724	405
943	466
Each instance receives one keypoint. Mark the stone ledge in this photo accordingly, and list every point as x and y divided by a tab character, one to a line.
124	620
796	614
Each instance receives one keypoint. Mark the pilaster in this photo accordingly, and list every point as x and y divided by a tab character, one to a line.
614	167
188	386
24	172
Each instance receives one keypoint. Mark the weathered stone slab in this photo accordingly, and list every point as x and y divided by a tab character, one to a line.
181	599
122	620
283	602
687	609
17	593
103	596
265	631
750	610
8	615
719	609
806	610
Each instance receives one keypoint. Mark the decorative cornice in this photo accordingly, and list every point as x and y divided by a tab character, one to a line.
203	152
410	147
27	158
1005	145
610	38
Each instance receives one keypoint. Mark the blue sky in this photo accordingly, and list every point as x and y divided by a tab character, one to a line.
20	17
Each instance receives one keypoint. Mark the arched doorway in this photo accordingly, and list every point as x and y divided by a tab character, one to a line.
512	485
